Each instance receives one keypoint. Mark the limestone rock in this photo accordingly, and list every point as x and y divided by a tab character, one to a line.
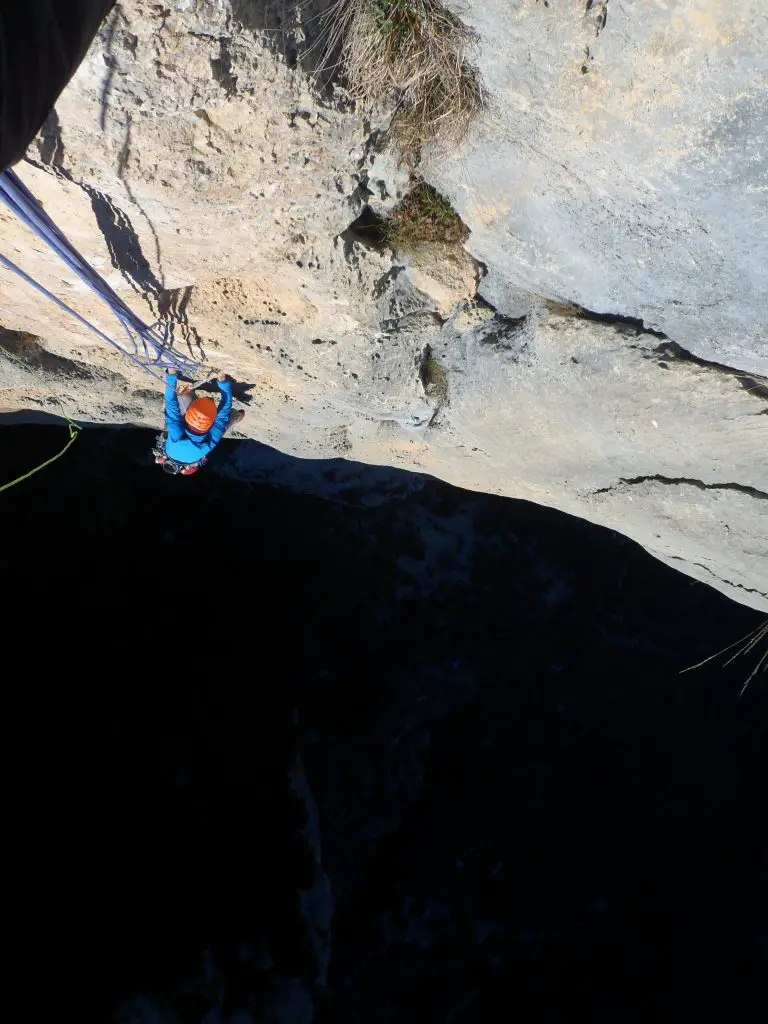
621	163
202	166
444	273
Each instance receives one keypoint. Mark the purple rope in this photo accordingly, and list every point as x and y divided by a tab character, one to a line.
5	262
18	198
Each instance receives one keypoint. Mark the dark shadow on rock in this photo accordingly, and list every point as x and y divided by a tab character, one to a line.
32	354
110	62
122	164
123	243
120	236
368	228
630	326
240	390
49	142
172	310
522	800
173	303
756	386
38	417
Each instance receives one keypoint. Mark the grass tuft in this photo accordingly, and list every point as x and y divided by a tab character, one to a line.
434	380
414	53
422	218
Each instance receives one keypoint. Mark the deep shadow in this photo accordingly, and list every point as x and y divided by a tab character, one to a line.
756	386
36	416
368	228
122	164
522	801
628	325
221	67
174	302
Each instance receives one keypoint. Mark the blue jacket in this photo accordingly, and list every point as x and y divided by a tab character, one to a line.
182	446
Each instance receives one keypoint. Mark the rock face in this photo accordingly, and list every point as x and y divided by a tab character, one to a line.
201	162
622	164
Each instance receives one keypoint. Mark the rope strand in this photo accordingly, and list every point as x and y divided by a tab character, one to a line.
74	428
158	354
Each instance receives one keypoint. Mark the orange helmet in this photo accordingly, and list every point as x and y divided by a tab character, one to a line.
200	415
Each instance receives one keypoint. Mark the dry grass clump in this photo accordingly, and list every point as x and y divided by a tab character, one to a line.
743	647
412	52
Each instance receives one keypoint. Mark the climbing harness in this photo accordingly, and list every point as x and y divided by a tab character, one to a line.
146	347
171	465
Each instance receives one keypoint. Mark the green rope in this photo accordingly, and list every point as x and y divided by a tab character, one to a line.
74	428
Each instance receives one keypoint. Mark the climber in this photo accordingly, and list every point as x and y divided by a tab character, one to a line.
193	425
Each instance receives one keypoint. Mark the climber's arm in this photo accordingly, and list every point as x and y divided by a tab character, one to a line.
225	409
174	421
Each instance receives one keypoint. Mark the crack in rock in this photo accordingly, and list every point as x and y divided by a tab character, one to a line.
700	485
730	583
752	383
667	349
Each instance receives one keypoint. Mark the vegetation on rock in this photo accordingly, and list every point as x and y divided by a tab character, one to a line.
423	217
415	54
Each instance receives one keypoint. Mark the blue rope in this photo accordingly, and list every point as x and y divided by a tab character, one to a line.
148	348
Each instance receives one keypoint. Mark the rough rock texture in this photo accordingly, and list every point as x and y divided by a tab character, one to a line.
199	165
622	163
